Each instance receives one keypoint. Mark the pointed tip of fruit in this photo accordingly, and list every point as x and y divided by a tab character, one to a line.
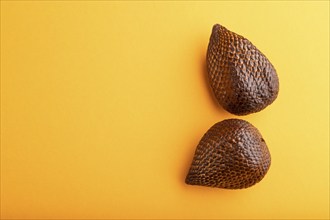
188	180
216	25
216	28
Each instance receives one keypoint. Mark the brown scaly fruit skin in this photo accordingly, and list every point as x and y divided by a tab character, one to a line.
231	155
242	78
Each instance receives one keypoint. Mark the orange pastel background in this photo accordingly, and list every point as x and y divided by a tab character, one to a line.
103	104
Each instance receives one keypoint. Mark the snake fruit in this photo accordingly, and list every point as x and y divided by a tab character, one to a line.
241	77
231	155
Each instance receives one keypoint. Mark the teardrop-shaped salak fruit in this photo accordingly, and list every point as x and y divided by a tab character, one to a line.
231	155
242	78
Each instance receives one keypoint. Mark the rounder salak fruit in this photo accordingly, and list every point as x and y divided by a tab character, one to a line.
231	155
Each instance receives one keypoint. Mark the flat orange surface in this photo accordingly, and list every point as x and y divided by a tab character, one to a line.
103	104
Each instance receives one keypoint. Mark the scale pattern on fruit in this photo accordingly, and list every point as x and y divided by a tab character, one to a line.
232	155
241	77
